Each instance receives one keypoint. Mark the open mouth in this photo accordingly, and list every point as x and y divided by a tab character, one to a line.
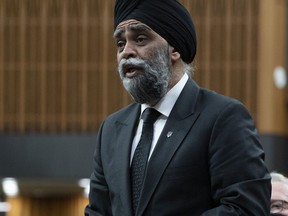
131	71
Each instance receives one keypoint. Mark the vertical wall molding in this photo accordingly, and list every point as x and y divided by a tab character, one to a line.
272	104
58	61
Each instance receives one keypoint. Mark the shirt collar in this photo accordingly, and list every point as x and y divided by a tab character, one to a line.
165	105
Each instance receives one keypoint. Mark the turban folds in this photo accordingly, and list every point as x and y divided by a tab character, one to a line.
168	18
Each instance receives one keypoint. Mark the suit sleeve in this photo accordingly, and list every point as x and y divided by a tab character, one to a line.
240	181
99	200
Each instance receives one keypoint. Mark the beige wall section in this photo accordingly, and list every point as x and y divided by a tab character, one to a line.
58	68
49	206
272	102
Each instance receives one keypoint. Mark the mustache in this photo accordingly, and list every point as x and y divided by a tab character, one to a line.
131	62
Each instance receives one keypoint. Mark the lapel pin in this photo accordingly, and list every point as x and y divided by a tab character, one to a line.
169	134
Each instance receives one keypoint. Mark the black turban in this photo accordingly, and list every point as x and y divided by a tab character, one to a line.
168	18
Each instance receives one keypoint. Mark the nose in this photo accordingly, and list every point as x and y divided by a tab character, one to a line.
129	51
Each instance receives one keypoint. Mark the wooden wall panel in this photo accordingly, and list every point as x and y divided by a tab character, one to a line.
226	61
58	71
272	108
37	206
58	60
2	15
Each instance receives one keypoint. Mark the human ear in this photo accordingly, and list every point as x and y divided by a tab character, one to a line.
175	55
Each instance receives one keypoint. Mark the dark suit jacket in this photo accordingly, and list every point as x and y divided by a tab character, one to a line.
211	165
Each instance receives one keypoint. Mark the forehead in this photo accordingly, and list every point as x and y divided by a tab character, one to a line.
132	25
279	190
129	22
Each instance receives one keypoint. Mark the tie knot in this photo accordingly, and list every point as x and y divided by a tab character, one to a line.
150	115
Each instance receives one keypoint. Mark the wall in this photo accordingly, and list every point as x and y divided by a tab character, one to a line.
24	206
272	105
58	67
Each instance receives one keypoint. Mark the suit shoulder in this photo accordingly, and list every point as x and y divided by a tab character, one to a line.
213	99
123	112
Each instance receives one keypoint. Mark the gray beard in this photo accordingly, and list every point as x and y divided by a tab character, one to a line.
152	85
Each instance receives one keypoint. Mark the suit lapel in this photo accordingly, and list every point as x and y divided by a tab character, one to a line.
125	129
177	126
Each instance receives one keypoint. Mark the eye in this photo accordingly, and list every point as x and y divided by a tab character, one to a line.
277	204
141	40
120	45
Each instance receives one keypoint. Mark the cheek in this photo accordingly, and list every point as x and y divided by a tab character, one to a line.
149	51
118	57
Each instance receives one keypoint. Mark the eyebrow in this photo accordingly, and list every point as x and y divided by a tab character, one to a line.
133	27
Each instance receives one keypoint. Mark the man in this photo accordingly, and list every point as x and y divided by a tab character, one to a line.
279	195
205	157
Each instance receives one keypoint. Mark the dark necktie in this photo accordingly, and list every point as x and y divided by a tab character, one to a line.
141	154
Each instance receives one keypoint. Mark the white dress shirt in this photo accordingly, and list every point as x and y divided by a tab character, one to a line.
164	106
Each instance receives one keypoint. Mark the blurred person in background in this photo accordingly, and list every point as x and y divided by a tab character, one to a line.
200	153
279	194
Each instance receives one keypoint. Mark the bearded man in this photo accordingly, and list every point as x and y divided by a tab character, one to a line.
179	149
